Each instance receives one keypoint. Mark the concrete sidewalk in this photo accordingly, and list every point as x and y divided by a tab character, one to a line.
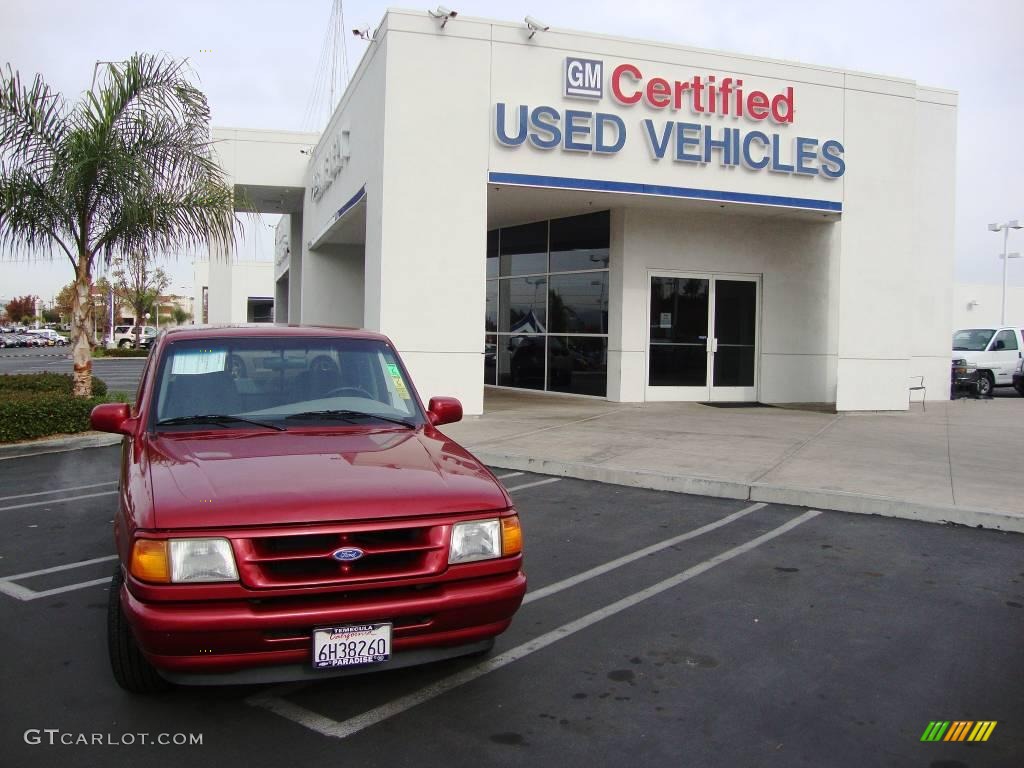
959	461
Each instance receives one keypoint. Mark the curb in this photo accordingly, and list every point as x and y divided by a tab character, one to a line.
58	445
838	501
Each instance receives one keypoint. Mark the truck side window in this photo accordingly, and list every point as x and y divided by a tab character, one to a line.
1008	338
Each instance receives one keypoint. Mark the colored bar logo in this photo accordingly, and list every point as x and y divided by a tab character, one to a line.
959	730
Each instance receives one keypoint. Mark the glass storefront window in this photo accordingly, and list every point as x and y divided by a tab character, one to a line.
578	364
492	253
522	305
527	298
490	359
580	242
524	249
578	303
521	361
491	314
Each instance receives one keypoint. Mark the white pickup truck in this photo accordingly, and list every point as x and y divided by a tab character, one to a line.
996	351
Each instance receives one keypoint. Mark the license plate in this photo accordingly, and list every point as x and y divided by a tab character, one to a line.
352	645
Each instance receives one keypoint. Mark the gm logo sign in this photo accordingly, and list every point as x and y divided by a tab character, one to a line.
584	78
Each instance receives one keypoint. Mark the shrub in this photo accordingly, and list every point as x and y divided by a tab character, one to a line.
45	382
25	415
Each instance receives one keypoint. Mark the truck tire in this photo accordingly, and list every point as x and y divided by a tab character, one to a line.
124	343
131	670
1019	386
986	383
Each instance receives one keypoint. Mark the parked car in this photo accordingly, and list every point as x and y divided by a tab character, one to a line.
996	351
313	523
52	337
123	336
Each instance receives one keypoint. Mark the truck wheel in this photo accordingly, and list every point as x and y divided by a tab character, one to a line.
985	383
124	343
131	670
1020	388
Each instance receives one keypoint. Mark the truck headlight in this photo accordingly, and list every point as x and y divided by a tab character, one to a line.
182	561
485	540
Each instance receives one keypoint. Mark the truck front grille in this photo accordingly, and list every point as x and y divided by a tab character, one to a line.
285	559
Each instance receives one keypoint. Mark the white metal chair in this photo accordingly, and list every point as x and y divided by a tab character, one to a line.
913	388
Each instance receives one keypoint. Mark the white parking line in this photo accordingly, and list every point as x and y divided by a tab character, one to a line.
509	474
611	565
9	588
57	501
531	485
57	490
345	728
25	594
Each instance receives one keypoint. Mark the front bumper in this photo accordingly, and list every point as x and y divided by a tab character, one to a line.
259	640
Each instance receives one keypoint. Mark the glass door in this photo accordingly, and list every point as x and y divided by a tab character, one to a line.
734	344
702	342
677	367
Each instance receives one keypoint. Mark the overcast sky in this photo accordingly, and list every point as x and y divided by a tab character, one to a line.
257	60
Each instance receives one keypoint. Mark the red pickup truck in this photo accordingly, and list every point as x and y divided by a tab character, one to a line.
289	510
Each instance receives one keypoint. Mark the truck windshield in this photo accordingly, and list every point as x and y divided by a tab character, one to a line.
288	382
972	340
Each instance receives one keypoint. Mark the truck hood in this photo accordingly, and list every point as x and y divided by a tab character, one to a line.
295	477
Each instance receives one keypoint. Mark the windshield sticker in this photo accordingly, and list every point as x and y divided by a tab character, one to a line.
198	361
396	379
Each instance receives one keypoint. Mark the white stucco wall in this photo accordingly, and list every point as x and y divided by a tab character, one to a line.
232	284
979	305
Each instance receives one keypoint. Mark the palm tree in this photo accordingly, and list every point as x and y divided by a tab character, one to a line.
127	169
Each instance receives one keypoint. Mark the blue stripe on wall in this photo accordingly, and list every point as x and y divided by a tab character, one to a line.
598	185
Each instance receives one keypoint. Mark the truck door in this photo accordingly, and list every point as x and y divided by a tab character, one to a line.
1004	352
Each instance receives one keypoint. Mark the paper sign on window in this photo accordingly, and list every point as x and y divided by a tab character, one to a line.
666	320
396	379
198	361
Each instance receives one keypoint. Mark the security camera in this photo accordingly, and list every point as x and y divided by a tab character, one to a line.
535	26
443	14
363	33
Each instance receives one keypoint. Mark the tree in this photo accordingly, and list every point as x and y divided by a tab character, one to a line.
127	169
65	300
180	316
21	307
138	286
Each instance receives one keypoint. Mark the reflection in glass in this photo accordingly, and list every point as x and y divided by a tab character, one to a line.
580	242
524	249
521	303
578	364
579	303
521	361
490	359
735	329
679	332
491	315
492	253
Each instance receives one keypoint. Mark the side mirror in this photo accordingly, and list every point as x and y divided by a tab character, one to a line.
444	410
112	417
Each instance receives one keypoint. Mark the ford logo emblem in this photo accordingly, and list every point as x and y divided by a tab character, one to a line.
347	554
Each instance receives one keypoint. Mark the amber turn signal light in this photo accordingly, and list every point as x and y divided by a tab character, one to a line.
511	536
150	561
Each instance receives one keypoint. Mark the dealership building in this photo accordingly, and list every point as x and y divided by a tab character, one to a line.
586	214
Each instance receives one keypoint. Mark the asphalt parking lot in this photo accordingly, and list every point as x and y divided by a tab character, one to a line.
660	629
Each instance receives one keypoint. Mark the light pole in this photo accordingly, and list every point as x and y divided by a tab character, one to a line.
1011	224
